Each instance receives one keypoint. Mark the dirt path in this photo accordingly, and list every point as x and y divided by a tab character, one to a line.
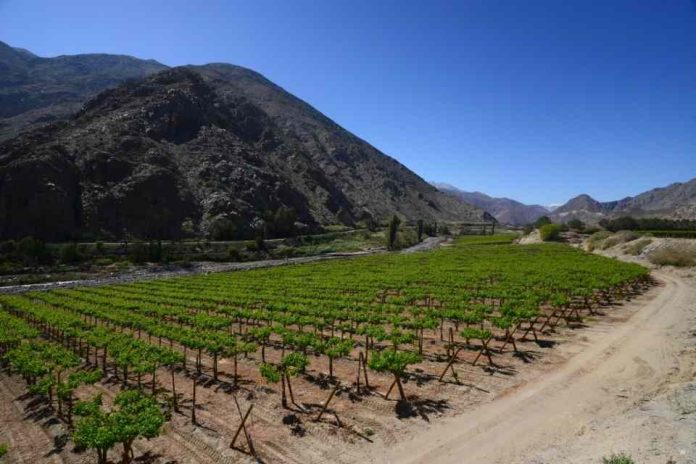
622	366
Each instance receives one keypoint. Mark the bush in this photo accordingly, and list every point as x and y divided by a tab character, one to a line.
635	248
596	238
541	222
70	254
618	459
620	237
32	251
550	232
3	449
234	253
673	255
576	224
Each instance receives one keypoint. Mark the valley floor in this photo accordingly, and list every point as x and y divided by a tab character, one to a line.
622	382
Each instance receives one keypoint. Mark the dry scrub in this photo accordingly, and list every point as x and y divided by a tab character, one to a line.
674	254
636	247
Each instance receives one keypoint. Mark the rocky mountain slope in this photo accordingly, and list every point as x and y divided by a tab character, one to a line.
676	201
206	150
35	90
505	210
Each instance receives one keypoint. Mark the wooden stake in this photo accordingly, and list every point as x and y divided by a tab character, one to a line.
239	429
326	405
449	364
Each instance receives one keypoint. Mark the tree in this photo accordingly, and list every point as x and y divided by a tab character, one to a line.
134	415
550	232
394	362
419	229
393	231
33	251
542	221
576	224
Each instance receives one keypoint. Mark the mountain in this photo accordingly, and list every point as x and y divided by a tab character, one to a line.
676	201
212	150
35	90
505	210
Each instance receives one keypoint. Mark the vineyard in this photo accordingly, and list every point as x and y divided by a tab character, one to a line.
287	364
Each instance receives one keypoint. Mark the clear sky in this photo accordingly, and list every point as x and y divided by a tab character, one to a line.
536	100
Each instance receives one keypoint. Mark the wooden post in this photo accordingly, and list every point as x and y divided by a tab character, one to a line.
246	432
193	409
449	364
386	397
326	405
239	429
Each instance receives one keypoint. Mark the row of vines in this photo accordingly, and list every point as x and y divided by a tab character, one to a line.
468	303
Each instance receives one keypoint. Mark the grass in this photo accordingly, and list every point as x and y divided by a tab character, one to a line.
620	458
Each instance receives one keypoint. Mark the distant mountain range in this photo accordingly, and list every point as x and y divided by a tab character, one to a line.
112	146
676	201
505	210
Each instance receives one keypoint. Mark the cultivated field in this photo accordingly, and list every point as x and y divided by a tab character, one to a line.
332	361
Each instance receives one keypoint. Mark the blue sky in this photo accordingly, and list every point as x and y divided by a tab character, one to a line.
538	101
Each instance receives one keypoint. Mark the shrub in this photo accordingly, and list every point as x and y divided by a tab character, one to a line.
70	254
596	238
3	449
234	253
673	255
635	248
618	459
576	224
550	232
618	238
542	221
33	251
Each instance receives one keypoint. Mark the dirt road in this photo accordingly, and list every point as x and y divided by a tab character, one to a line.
590	406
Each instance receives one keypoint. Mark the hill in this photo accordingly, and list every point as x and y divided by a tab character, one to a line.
35	91
505	210
213	150
676	201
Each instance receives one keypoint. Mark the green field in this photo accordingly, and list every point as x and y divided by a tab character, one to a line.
478	292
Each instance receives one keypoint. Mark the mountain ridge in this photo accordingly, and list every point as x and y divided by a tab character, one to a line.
505	210
214	150
674	201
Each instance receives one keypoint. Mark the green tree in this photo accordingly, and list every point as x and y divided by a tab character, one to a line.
419	229
576	224
393	231
550	232
33	251
542	221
